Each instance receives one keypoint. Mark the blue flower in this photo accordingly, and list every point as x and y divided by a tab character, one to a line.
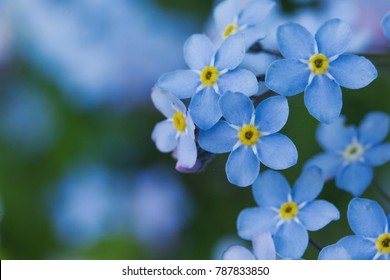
318	67
251	137
350	152
211	74
371	227
234	16
287	213
263	249
177	132
386	25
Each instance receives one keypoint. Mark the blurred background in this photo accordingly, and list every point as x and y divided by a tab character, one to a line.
80	177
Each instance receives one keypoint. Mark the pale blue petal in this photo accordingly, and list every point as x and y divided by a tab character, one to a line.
219	139
254	34
335	137
333	37
166	103
295	41
328	163
386	25
358	248
366	217
374	128
164	135
323	99
186	150
308	186
204	108
198	51
238	252
354	178
236	108
181	83
384	257
334	252
242	167
271	189
287	76
252	221
277	151
256	12
257	63
317	214
272	114
264	247
231	52
291	240
238	80
378	155
352	71
225	12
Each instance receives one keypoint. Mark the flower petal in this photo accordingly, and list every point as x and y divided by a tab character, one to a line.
254	34
231	52
204	108
287	76
236	108
225	12
242	167
352	71
354	178
374	128
378	155
238	80
219	139
386	25
308	186
186	150
358	248
291	240
277	151
256	12
271	189
366	217
238	252
323	99
181	83
166	103
328	163
334	252
164	135
264	247
272	114
252	221
198	51
333	37
295	41
317	214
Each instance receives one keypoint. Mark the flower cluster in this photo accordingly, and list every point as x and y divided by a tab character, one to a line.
227	113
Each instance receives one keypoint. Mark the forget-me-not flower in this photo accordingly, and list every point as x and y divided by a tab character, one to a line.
317	66
211	74
177	131
371	227
386	25
251	136
350	152
287	213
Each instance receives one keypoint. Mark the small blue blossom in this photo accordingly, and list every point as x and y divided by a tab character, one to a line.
317	66
371	227
334	252
234	16
251	136
212	73
350	152
386	25
177	132
263	249
287	213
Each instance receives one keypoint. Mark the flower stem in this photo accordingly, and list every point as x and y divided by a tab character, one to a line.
315	244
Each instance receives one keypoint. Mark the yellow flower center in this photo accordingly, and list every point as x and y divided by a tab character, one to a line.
179	121
319	63
230	30
249	135
289	210
383	243
209	76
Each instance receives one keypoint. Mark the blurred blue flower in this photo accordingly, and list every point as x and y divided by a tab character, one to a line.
318	67
350	152
212	73
371	227
251	136
263	249
177	132
334	252
287	213
223	243
386	25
